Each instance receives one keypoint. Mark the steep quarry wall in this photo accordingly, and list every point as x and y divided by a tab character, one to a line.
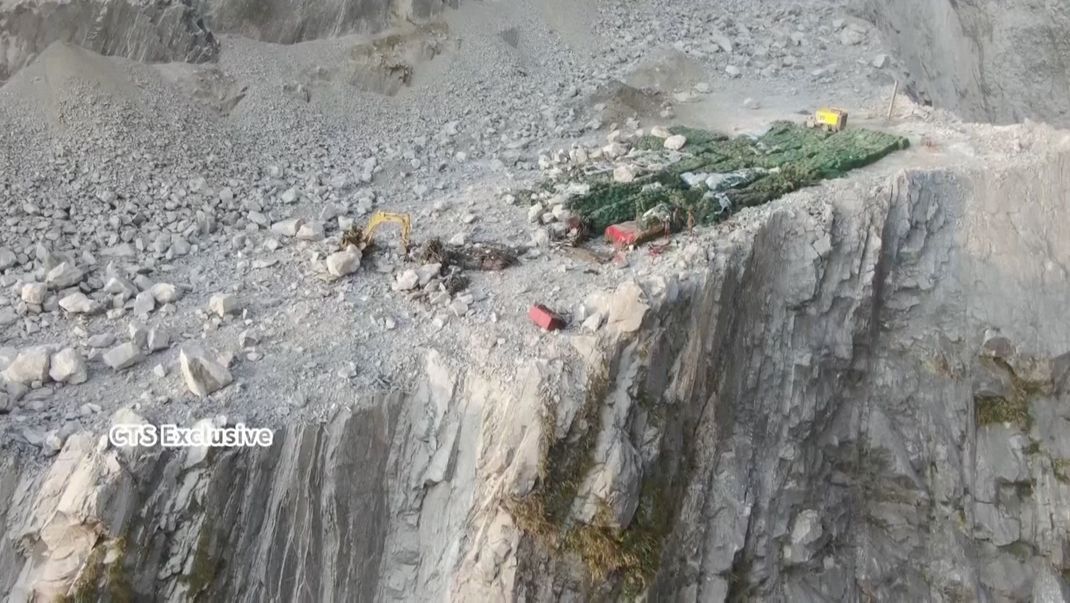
145	31
989	60
863	396
880	383
289	21
186	30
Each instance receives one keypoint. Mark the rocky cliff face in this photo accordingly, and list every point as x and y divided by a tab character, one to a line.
859	397
872	424
185	30
171	30
989	60
289	21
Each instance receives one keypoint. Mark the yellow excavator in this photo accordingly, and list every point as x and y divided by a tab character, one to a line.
382	217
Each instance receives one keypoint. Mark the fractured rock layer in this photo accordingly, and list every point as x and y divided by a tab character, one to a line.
837	406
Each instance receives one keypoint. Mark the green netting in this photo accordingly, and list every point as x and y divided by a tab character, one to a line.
729	174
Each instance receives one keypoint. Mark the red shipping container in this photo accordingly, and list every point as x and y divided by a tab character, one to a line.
627	234
623	234
546	318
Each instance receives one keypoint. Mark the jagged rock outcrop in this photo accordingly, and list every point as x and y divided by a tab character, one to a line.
862	396
987	60
847	387
171	30
287	21
186	30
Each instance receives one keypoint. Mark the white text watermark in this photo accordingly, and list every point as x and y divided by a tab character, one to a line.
173	436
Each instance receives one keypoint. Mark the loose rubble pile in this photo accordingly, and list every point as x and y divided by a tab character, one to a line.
33	374
753	41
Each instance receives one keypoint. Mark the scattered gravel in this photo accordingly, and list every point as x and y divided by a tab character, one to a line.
208	202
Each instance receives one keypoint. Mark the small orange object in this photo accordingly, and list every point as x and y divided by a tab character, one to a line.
546	318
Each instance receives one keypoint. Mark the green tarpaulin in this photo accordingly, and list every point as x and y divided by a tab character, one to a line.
717	176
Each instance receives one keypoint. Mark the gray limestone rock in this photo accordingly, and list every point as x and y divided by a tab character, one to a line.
64	275
68	366
78	303
34	293
223	304
203	377
29	366
406	281
101	340
7	258
158	339
121	287
144	304
287	228
343	263
165	293
123	356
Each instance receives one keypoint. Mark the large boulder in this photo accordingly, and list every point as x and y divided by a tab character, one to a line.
203	376
29	366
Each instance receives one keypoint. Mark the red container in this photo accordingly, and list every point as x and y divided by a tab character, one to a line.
623	234
545	318
627	234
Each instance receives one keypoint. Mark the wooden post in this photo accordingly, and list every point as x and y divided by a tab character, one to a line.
891	104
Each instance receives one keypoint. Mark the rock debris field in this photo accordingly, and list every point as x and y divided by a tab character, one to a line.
172	232
540	300
164	217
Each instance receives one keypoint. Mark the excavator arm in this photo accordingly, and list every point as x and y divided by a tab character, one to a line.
381	217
